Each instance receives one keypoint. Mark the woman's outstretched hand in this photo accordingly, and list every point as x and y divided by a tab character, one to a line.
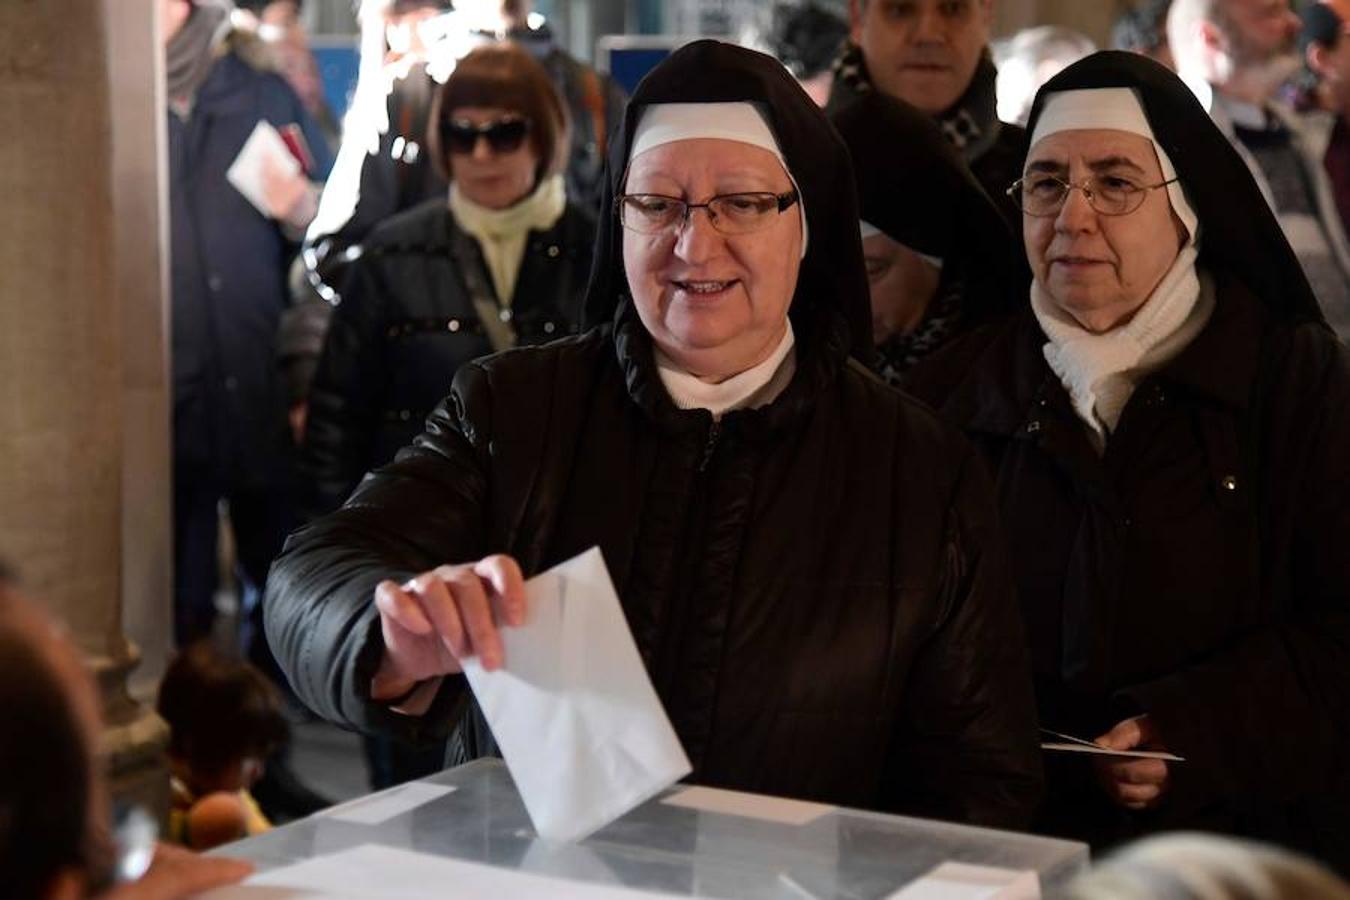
438	619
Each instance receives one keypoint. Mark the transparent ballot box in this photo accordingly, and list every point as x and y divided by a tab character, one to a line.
685	843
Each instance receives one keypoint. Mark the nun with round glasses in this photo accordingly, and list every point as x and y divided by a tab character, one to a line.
807	560
1168	423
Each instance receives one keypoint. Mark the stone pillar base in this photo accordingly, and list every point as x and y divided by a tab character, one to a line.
134	739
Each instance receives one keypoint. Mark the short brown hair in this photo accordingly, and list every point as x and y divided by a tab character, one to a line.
220	709
503	75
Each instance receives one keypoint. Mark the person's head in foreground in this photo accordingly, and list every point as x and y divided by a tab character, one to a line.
1194	866
55	831
940	259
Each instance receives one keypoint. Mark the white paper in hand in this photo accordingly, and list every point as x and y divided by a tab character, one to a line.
263	147
573	710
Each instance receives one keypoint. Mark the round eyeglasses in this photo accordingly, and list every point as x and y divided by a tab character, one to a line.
1043	195
728	213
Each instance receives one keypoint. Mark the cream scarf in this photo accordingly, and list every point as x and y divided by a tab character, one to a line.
1100	371
756	386
501	233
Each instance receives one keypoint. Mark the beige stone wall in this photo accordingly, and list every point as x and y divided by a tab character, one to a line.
60	331
140	261
63	353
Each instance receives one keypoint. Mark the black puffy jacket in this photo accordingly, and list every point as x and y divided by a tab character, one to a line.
1196	571
405	325
816	586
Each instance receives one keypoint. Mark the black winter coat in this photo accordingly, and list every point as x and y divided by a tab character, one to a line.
1196	572
406	323
816	586
228	280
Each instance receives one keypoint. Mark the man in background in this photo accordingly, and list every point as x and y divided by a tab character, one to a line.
934	55
1326	56
1142	29
807	39
1236	55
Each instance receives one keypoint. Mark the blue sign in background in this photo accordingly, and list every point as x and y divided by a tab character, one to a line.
338	63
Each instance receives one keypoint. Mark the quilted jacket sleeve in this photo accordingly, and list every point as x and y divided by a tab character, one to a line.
344	400
425	509
967	746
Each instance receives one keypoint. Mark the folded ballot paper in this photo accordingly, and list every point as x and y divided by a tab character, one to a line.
575	715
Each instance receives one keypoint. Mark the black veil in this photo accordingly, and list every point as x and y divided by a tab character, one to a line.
1239	235
832	278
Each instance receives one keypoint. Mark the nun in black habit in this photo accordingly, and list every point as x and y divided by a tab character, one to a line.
1172	456
939	256
807	559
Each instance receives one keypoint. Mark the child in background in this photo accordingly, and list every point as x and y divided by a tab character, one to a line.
224	719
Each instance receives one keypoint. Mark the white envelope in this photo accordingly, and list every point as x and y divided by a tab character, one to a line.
246	172
573	710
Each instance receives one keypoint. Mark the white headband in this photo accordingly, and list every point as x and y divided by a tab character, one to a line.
1116	109
866	229
665	123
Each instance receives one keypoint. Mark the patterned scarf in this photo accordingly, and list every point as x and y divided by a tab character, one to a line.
901	352
971	124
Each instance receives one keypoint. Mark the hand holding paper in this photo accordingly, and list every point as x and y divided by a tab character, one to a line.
1139	783
270	177
437	620
573	710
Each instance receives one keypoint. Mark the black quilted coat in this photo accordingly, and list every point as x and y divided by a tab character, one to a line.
405	325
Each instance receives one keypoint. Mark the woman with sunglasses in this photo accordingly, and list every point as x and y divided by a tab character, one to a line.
1168	420
502	263
807	559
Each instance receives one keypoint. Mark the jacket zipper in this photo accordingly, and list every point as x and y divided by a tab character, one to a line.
714	431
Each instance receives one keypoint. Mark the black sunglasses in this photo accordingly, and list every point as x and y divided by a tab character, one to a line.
503	135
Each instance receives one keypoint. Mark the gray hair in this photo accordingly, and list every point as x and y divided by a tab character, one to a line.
1194	866
1182	21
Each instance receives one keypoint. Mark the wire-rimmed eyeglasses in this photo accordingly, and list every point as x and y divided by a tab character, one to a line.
739	213
1043	195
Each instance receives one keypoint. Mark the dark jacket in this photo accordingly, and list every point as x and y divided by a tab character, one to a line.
228	279
407	322
1196	572
816	586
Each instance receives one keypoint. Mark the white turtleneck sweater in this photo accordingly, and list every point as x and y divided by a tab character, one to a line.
502	232
1101	371
756	386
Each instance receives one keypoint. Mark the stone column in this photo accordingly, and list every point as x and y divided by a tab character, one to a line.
63	356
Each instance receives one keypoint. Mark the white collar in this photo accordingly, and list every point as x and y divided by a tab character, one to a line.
757	386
